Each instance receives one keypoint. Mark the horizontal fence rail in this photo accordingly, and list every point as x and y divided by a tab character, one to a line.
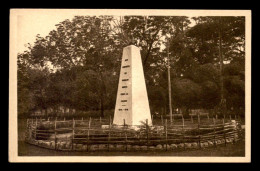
99	134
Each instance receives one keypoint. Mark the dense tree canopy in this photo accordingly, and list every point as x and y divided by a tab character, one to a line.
77	65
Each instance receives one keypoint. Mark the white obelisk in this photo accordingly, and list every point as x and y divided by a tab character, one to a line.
132	104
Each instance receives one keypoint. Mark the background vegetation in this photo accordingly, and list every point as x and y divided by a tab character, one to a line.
78	64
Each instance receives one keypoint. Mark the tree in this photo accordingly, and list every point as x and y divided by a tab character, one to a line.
84	41
234	83
187	94
77	65
226	37
25	102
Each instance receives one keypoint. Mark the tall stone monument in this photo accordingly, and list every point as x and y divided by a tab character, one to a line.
132	104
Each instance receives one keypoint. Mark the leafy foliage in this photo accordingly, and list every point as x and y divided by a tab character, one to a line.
77	65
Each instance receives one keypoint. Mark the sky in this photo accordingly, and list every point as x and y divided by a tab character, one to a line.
31	25
37	23
31	22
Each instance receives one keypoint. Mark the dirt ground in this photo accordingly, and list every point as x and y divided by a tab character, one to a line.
24	149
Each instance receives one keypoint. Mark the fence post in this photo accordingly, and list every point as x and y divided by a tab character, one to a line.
183	131
199	129
166	137
55	134
89	123
239	132
109	132
147	132
162	119
125	135
27	128
214	132
224	133
236	132
216	117
182	121
30	129
73	131
35	129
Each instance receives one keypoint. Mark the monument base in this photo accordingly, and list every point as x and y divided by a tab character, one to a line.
133	127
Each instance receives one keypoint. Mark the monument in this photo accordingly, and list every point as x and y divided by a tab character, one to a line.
132	106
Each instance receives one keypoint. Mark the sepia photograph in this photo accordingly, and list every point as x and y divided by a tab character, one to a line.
121	85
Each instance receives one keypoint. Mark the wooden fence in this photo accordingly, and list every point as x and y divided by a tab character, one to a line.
100	134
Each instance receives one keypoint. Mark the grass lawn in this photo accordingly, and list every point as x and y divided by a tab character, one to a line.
235	150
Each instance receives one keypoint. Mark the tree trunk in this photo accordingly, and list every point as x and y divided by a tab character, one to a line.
102	106
148	53
102	93
45	113
221	59
150	47
223	100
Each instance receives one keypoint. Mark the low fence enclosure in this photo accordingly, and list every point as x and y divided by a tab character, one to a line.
99	134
